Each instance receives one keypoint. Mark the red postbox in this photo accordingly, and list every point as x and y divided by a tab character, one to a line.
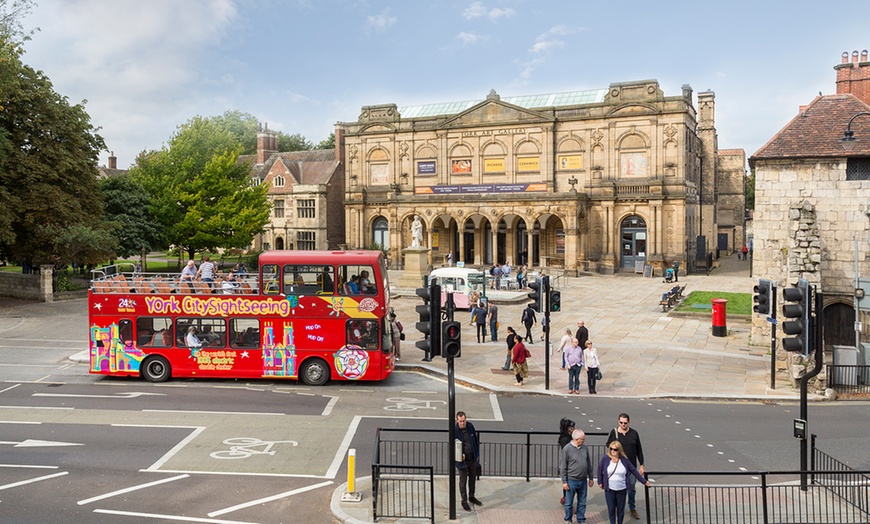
719	327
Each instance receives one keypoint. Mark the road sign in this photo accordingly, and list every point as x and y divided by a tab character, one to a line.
475	278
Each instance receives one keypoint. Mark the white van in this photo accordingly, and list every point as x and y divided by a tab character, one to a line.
455	281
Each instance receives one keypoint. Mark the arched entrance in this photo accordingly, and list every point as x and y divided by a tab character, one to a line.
839	326
381	233
279	243
632	234
468	241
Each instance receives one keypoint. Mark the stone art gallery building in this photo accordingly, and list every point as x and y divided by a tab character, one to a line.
600	180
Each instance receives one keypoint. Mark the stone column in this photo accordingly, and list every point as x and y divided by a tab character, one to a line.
45	285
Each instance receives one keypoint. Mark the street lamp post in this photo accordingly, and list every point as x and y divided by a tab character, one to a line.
848	140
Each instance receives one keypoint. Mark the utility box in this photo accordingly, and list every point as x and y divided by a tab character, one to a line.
845	356
864	358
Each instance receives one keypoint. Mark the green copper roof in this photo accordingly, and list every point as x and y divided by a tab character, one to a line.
528	101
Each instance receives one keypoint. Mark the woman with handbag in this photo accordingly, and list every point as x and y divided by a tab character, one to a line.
613	472
518	359
590	356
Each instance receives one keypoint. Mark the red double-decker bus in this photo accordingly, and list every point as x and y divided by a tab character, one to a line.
307	315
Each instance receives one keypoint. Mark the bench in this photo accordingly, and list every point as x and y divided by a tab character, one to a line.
671	297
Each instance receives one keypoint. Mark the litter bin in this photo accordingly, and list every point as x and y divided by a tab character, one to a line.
720	329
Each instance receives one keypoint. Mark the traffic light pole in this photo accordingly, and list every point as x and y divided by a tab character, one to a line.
451	416
773	336
817	341
545	292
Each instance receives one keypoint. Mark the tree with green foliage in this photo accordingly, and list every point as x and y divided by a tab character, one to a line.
750	190
48	163
245	128
127	212
327	143
202	195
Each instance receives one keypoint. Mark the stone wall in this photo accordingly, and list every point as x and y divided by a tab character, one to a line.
37	286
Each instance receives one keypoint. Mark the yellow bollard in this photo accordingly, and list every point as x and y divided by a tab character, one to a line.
351	494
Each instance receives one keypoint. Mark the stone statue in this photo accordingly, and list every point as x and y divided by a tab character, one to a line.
416	232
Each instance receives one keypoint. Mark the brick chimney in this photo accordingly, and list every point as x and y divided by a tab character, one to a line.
113	160
854	77
267	144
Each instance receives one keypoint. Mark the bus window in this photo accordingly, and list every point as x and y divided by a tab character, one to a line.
154	332
125	330
210	332
245	333
363	284
326	281
363	333
302	280
270	279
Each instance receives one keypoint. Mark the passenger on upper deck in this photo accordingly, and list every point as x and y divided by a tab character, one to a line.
189	272
326	282
365	285
353	285
229	285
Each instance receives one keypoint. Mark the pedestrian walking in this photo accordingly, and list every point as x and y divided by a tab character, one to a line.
493	322
566	428
467	463
582	334
575	468
564	344
614	472
518	358
449	259
745	251
529	319
590	358
629	440
511	339
480	321
574	363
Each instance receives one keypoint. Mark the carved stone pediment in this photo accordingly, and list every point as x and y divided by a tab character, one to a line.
492	111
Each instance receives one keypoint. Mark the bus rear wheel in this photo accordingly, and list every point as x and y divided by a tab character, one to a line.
315	372
156	369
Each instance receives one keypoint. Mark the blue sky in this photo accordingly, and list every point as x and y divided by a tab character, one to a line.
146	67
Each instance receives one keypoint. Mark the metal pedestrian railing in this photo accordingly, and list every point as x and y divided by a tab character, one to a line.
405	462
849	379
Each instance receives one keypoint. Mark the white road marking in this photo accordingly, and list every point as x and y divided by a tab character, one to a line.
132	394
19	422
268	499
32	443
343	447
35	407
496	409
31	481
328	409
27	466
10	387
131	488
212	412
178	447
166	517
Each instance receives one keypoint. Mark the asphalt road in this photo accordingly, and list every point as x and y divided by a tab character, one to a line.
81	448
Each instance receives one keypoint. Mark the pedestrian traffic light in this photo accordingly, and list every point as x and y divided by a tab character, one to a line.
451	337
555	300
797	310
430	321
763	296
535	295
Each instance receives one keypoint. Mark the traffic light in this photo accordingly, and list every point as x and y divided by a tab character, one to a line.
430	321
797	310
535	295
451	337
763	297
555	300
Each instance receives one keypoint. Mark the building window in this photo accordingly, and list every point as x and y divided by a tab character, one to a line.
279	208
381	233
305	209
305	240
858	169
278	181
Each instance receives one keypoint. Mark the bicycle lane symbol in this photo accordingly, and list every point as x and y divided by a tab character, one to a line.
244	447
411	404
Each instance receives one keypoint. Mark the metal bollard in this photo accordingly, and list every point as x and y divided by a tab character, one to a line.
351	495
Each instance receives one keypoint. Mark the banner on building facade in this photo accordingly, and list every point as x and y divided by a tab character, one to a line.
480	188
461	166
493	165
571	162
528	163
426	168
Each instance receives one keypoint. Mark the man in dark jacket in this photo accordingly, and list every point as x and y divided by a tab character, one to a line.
467	462
582	334
529	319
630	440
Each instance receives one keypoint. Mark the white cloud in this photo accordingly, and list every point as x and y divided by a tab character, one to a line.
470	38
477	9
380	23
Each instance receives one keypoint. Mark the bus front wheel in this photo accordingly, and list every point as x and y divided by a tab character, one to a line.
156	369
315	372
